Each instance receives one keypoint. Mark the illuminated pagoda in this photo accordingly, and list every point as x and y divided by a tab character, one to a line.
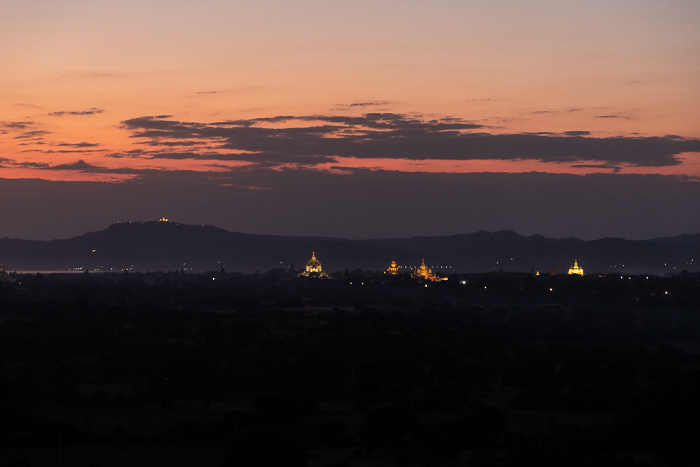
4	276
393	268
576	269
425	273
313	268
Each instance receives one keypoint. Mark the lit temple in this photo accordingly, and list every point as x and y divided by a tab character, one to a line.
393	268
163	219
313	268
426	273
576	269
4	276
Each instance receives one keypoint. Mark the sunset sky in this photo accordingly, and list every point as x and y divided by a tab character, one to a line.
351	118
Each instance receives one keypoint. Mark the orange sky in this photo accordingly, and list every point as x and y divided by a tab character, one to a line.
240	95
74	70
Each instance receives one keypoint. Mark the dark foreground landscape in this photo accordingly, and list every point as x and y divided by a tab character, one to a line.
269	369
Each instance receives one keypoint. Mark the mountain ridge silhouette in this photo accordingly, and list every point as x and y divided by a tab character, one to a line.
168	246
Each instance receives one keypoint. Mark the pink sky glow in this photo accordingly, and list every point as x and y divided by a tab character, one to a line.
107	91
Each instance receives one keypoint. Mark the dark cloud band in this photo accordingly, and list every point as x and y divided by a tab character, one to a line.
398	136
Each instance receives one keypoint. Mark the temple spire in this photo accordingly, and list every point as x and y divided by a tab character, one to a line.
576	269
426	273
313	268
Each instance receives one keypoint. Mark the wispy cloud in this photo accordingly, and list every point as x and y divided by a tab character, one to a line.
79	165
78	145
15	125
36	135
31	106
622	117
361	105
369	104
62	113
88	168
32	165
615	168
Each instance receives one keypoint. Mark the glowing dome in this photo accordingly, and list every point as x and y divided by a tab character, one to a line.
426	273
313	268
4	276
576	269
393	268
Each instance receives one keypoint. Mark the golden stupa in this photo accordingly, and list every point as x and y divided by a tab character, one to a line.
313	268
4	276
393	268
425	273
576	269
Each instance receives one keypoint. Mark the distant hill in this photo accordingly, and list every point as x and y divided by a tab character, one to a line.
169	246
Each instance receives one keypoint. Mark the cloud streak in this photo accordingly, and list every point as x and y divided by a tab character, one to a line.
15	125
63	113
78	145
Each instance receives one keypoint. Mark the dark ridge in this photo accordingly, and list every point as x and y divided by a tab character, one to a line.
169	246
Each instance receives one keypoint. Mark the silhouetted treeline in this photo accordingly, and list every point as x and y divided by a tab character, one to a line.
269	369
